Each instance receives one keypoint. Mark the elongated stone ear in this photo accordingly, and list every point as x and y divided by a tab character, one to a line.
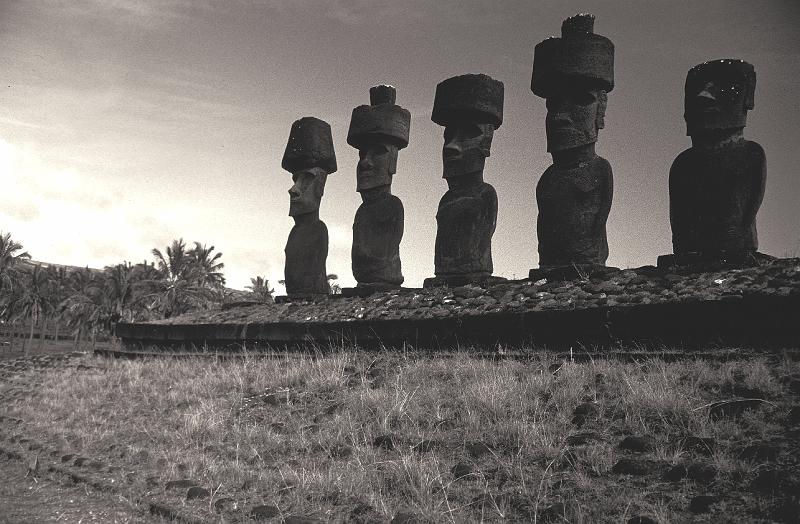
486	141
602	102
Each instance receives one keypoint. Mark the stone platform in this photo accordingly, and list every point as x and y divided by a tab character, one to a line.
757	306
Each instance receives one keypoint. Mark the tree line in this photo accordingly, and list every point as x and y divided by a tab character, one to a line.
88	302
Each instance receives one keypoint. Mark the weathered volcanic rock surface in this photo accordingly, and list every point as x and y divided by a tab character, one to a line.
643	285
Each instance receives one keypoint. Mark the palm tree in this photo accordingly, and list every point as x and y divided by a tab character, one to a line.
183	284
336	289
9	259
208	267
33	303
82	308
260	289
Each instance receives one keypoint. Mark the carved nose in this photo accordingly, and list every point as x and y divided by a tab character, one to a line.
706	96
293	191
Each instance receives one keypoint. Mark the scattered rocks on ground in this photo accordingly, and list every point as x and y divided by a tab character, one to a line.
179	484
632	286
462	469
638	444
196	492
633	466
264	512
384	442
702	503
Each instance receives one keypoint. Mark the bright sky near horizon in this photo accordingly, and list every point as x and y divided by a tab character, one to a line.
125	124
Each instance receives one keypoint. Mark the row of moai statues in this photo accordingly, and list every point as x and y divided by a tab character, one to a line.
715	187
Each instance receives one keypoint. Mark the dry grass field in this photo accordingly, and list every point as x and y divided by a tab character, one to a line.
350	436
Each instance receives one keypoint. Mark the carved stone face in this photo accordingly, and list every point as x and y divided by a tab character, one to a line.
306	193
376	165
716	104
573	118
466	146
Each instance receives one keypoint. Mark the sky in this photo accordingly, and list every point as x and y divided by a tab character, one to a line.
125	124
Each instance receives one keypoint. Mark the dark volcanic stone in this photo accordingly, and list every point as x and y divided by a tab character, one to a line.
264	512
676	473
554	513
574	194
405	517
224	504
586	409
701	503
733	408
466	219
196	492
777	480
301	519
179	484
341	451
632	466
701	473
67	457
761	452
81	461
638	443
162	510
716	186
384	441
377	232
641	519
462	469
306	254
470	107
477	449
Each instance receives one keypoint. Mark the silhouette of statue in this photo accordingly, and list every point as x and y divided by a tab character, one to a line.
310	157
574	73
470	107
378	131
717	185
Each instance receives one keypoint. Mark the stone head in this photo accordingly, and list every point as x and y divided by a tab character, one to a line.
718	95
470	107
574	115
305	195
378	131
310	157
574	73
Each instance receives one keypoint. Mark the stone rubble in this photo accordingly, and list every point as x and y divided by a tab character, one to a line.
627	287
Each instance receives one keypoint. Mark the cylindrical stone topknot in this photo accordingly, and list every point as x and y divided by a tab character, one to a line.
382	94
580	23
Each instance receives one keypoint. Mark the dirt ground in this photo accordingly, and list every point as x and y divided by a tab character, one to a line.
41	496
26	497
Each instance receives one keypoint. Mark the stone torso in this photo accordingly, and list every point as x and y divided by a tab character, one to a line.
377	232
714	197
574	202
306	252
466	220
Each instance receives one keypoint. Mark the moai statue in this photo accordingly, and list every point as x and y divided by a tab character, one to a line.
716	186
470	107
574	73
378	131
310	158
